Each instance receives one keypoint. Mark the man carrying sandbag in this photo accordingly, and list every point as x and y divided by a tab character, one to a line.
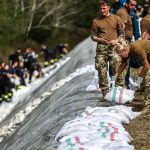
140	49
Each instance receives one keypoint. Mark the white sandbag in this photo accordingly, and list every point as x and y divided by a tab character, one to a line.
113	134
97	111
118	116
110	111
89	124
81	147
89	111
117	112
120	95
98	125
127	110
101	143
96	147
110	145
67	130
71	125
74	128
118	147
104	132
90	127
83	140
92	133
107	119
72	141
93	85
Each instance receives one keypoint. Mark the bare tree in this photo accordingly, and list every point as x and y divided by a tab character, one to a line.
43	14
31	18
54	13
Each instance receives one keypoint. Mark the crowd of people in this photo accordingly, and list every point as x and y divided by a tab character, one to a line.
141	9
23	66
119	28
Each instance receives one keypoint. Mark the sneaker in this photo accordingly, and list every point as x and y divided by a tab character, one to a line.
5	97
10	94
55	60
18	87
52	61
46	63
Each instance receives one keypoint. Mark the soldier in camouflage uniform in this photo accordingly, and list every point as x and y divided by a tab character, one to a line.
105	31
140	49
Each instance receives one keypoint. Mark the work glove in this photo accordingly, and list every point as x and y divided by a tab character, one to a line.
134	84
112	82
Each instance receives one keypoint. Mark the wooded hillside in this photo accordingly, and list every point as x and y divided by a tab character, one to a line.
25	23
30	23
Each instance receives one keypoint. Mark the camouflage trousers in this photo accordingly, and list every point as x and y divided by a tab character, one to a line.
146	85
104	54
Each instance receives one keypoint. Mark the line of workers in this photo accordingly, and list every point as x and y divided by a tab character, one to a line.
24	66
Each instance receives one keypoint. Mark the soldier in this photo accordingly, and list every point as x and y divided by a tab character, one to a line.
145	26
16	56
49	55
140	49
105	31
123	13
128	17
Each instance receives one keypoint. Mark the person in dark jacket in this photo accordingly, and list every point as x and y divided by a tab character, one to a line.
61	50
16	56
6	83
48	55
31	63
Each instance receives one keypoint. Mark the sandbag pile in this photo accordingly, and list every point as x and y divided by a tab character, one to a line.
98	128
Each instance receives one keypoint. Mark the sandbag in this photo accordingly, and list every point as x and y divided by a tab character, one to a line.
120	95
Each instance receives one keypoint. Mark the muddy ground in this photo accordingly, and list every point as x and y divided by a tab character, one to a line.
139	128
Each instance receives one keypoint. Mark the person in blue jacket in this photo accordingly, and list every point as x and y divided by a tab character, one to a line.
117	5
135	23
